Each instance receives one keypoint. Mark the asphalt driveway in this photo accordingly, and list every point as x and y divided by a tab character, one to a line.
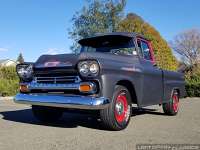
19	130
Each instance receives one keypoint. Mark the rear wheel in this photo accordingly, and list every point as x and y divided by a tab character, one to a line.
117	115
172	107
47	114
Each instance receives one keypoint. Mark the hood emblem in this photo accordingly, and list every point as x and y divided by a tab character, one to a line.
57	64
51	64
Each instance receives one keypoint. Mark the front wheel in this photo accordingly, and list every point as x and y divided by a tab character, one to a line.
47	114
172	107
117	115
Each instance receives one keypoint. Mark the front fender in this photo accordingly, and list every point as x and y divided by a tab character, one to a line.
109	81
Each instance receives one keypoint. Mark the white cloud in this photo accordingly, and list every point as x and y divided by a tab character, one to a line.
54	51
3	49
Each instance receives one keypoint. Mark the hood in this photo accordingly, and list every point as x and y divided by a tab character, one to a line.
64	60
61	60
70	60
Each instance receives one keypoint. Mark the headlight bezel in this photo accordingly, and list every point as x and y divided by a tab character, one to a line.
89	64
25	71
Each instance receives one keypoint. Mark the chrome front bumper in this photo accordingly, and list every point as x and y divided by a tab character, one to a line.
63	101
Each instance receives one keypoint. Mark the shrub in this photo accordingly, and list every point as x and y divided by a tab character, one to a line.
8	73
193	86
193	89
8	81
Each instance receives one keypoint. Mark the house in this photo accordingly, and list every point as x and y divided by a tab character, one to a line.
7	62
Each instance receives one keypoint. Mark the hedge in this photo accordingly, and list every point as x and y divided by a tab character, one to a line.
193	85
8	81
193	89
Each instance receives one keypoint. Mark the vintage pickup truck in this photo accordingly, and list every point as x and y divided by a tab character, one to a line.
111	72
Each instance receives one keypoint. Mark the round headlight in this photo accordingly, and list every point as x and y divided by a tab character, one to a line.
25	71
88	68
94	68
84	68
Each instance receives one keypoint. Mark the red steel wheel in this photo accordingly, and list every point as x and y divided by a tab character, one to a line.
121	108
175	101
172	107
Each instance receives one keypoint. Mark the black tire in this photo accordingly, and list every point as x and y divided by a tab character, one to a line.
110	116
172	107
47	114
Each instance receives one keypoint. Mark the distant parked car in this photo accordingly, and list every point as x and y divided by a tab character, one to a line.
111	72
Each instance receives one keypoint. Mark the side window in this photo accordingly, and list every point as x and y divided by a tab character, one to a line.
145	50
125	49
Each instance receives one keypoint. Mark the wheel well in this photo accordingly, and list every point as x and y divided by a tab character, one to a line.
130	88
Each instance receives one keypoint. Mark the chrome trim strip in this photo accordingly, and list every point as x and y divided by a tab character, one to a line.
56	79
51	86
63	101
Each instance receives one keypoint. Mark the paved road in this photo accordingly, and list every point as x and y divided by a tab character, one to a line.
19	130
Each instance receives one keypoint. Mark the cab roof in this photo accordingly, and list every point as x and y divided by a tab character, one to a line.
113	35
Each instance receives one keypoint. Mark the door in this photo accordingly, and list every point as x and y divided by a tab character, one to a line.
152	84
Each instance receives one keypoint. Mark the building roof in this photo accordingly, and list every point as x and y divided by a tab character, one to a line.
3	61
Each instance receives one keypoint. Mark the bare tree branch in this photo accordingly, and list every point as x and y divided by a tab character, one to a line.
187	45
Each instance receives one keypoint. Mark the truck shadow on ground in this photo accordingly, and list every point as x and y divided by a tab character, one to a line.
69	120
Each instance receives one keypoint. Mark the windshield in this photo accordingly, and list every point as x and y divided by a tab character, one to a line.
116	45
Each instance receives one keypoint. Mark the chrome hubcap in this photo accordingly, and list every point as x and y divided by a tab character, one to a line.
119	108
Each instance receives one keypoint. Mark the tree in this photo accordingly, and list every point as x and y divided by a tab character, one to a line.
163	53
114	14
98	16
187	45
20	59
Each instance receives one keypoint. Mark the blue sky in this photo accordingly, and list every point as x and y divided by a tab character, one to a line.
35	27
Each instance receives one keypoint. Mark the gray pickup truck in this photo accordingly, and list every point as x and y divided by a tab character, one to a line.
111	72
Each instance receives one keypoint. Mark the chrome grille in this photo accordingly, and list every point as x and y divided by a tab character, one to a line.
57	79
